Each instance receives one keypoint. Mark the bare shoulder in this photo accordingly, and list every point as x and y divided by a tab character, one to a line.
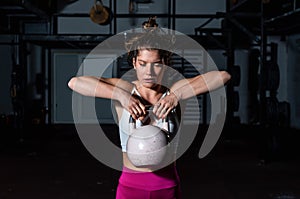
125	84
118	82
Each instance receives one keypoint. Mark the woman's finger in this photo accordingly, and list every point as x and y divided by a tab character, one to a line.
155	107
163	112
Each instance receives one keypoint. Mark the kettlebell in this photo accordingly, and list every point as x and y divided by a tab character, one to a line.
147	145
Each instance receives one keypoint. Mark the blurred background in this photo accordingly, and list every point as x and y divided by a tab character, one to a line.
44	43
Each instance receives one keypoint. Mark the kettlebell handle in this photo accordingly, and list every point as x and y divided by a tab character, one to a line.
149	108
165	122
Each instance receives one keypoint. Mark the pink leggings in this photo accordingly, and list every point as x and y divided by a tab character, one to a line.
149	185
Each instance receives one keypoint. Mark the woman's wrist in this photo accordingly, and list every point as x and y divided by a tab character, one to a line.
176	95
118	94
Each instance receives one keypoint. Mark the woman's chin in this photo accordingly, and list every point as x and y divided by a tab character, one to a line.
149	83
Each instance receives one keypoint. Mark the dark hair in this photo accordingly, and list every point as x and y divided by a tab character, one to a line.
152	38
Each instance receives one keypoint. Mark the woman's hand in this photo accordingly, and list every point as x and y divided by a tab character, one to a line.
133	105
163	107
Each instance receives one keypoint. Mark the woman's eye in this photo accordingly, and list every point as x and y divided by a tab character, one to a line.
142	64
152	64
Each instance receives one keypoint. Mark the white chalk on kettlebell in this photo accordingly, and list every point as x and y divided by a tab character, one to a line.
147	145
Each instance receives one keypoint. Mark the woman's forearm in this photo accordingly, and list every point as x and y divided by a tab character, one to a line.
97	87
109	88
200	84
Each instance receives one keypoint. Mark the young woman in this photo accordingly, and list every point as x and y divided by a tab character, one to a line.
132	100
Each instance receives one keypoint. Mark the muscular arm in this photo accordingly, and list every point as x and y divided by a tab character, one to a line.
110	88
186	88
200	84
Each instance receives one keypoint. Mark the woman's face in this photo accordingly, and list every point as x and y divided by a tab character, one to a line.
149	68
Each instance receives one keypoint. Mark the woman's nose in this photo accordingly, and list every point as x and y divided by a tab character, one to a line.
149	69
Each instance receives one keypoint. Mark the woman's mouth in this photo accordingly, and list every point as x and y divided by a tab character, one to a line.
149	80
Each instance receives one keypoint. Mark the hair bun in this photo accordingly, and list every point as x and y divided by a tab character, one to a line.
150	24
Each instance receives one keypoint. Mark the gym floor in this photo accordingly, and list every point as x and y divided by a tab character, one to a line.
247	163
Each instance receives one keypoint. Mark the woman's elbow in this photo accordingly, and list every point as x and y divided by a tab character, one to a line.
225	76
71	83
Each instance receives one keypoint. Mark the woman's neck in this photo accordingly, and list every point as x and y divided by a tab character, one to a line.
152	95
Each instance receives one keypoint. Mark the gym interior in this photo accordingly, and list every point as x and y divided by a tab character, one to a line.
44	43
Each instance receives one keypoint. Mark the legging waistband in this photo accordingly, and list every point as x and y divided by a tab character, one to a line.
160	179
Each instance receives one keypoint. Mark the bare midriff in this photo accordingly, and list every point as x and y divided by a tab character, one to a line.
127	163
